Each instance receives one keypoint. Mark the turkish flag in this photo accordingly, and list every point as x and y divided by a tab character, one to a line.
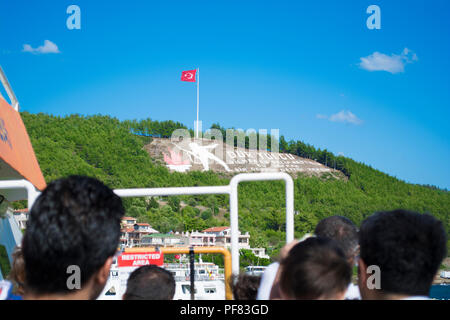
188	75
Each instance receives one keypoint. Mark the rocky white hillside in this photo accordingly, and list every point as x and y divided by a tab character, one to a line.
214	155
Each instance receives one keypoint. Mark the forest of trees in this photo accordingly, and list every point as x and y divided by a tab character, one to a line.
112	151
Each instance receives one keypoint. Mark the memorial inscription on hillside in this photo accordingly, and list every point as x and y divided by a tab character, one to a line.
203	155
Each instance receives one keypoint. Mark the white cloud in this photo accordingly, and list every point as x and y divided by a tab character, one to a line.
394	63
48	47
345	116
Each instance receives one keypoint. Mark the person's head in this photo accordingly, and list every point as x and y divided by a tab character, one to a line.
245	287
150	283
17	273
343	231
407	247
71	238
314	269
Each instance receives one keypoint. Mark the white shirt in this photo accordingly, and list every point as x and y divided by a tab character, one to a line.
267	280
352	292
417	298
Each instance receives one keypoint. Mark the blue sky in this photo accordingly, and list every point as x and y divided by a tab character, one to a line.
311	69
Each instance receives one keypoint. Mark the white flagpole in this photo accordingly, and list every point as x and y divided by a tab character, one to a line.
198	97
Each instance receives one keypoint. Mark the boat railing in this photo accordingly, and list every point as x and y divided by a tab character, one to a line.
200	278
209	267
231	189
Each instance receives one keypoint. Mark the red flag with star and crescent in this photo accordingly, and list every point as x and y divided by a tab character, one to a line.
188	75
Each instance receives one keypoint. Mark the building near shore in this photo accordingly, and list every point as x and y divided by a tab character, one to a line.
223	239
132	233
163	240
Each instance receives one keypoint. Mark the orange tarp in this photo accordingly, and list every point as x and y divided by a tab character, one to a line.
17	158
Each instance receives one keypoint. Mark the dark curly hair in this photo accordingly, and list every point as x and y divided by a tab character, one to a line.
245	286
408	247
150	283
75	221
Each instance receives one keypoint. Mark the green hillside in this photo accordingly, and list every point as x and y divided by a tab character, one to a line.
105	148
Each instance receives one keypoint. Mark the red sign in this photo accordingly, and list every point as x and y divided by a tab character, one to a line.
138	259
188	75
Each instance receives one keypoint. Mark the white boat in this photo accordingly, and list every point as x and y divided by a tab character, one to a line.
209	281
255	270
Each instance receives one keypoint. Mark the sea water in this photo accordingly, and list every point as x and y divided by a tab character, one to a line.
440	292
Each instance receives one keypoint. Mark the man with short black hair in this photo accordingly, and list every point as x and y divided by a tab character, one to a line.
71	238
150	283
315	269
345	233
406	247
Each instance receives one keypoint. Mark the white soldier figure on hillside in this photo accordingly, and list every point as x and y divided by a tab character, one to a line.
203	154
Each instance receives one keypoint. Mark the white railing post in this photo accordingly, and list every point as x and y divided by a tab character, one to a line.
9	90
289	208
234	208
234	225
32	193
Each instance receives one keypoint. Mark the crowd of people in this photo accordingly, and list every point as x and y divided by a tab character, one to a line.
75	222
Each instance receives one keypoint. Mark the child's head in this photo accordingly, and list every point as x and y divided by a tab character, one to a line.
315	268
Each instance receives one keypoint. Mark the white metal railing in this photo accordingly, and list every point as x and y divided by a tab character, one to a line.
9	90
32	193
231	190
234	208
